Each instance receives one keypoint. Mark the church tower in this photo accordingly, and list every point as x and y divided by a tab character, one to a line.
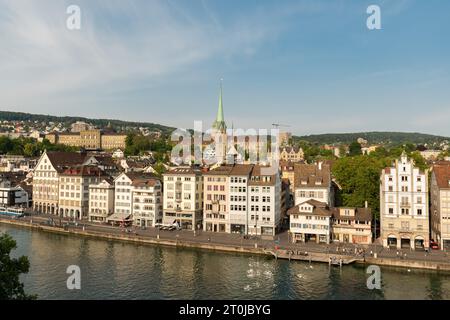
220	125
219	131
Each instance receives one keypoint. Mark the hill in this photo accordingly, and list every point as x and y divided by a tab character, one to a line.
100	123
387	138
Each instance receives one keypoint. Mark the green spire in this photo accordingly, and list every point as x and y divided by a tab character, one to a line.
219	124
220	117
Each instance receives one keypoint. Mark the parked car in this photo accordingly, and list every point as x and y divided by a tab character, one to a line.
434	245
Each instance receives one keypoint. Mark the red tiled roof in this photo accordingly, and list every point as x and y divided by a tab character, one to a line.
442	175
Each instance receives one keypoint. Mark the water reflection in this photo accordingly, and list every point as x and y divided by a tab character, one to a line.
115	270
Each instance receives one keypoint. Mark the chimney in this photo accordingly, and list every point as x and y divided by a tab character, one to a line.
366	204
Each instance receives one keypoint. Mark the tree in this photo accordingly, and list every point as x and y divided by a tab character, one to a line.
354	149
10	269
359	179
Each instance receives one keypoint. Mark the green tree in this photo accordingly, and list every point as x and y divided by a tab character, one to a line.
30	150
359	179
10	269
354	149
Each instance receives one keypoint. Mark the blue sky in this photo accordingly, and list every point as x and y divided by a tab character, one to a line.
312	65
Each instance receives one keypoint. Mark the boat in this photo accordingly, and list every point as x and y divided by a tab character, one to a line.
12	212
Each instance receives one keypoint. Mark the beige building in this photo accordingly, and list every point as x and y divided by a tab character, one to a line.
81	126
287	172
404	205
89	139
440	205
242	199
46	179
313	182
215	200
293	154
183	197
74	185
101	200
352	225
310	221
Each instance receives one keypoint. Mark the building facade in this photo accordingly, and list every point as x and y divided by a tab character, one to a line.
46	179
440	205
12	195
101	200
215	199
265	197
74	182
310	221
242	199
404	205
292	154
352	225
94	139
183	197
138	198
147	201
313	182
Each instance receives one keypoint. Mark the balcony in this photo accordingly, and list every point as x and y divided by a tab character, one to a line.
405	204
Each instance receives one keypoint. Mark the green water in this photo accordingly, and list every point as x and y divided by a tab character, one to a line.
114	270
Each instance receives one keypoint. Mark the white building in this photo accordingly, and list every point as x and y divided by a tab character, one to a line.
264	203
138	197
147	201
12	195
101	200
240	199
404	205
310	221
183	197
238	194
122	195
118	154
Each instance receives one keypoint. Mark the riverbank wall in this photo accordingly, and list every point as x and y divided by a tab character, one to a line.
312	256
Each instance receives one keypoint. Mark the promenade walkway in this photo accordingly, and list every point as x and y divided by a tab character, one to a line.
280	242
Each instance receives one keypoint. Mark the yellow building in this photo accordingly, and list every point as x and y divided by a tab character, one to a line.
89	139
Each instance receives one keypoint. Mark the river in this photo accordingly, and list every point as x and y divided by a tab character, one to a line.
115	270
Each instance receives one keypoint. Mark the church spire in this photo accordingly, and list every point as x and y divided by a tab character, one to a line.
219	124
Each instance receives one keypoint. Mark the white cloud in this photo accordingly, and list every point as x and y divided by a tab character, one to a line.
120	44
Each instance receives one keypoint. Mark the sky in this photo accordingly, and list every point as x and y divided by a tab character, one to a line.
313	66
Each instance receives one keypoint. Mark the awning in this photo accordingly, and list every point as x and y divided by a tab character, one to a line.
119	217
